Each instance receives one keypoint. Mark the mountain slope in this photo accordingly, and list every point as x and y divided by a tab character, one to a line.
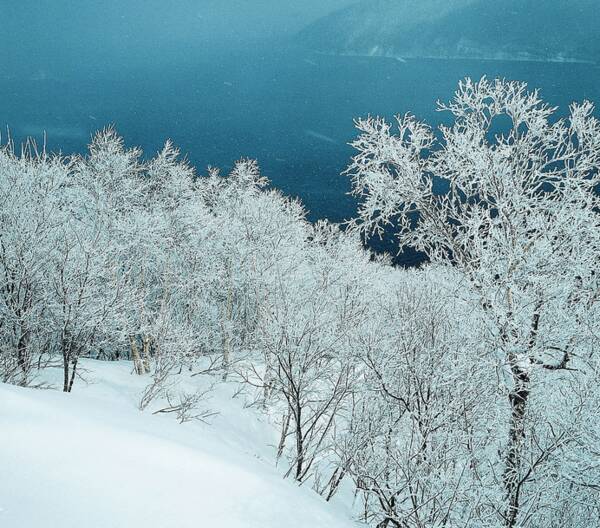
91	459
547	30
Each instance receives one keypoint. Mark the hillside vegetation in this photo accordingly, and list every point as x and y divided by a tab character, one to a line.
461	393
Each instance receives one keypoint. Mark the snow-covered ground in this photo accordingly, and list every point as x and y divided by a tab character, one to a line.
91	459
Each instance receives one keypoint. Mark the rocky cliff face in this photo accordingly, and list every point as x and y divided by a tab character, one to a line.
536	30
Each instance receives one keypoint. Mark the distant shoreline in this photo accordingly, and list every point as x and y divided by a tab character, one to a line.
486	58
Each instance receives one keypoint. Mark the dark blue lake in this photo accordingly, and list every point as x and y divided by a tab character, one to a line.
291	109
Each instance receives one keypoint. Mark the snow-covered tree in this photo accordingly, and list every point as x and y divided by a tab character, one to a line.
505	195
30	203
418	436
463	393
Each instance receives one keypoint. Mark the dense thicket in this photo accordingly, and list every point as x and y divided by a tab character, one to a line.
464	393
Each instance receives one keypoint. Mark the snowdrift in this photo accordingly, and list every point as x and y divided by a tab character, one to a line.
91	459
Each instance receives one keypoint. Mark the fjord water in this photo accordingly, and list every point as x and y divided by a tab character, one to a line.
289	108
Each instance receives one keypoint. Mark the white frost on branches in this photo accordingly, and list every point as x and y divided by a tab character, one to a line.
462	393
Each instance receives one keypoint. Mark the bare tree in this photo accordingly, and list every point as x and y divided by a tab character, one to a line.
517	219
417	432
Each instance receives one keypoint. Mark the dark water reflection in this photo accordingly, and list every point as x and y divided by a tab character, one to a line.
291	109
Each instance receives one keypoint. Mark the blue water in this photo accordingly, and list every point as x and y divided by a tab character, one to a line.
291	109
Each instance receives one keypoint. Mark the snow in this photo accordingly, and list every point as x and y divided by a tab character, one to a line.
91	459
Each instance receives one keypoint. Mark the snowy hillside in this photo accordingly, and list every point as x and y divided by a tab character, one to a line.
90	459
552	30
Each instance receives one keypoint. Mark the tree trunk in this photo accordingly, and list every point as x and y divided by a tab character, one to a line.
146	342
299	442
22	356
73	372
267	382
284	432
334	482
135	356
226	329
512	481
66	360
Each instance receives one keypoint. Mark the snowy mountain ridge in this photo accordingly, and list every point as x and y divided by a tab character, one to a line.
514	30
